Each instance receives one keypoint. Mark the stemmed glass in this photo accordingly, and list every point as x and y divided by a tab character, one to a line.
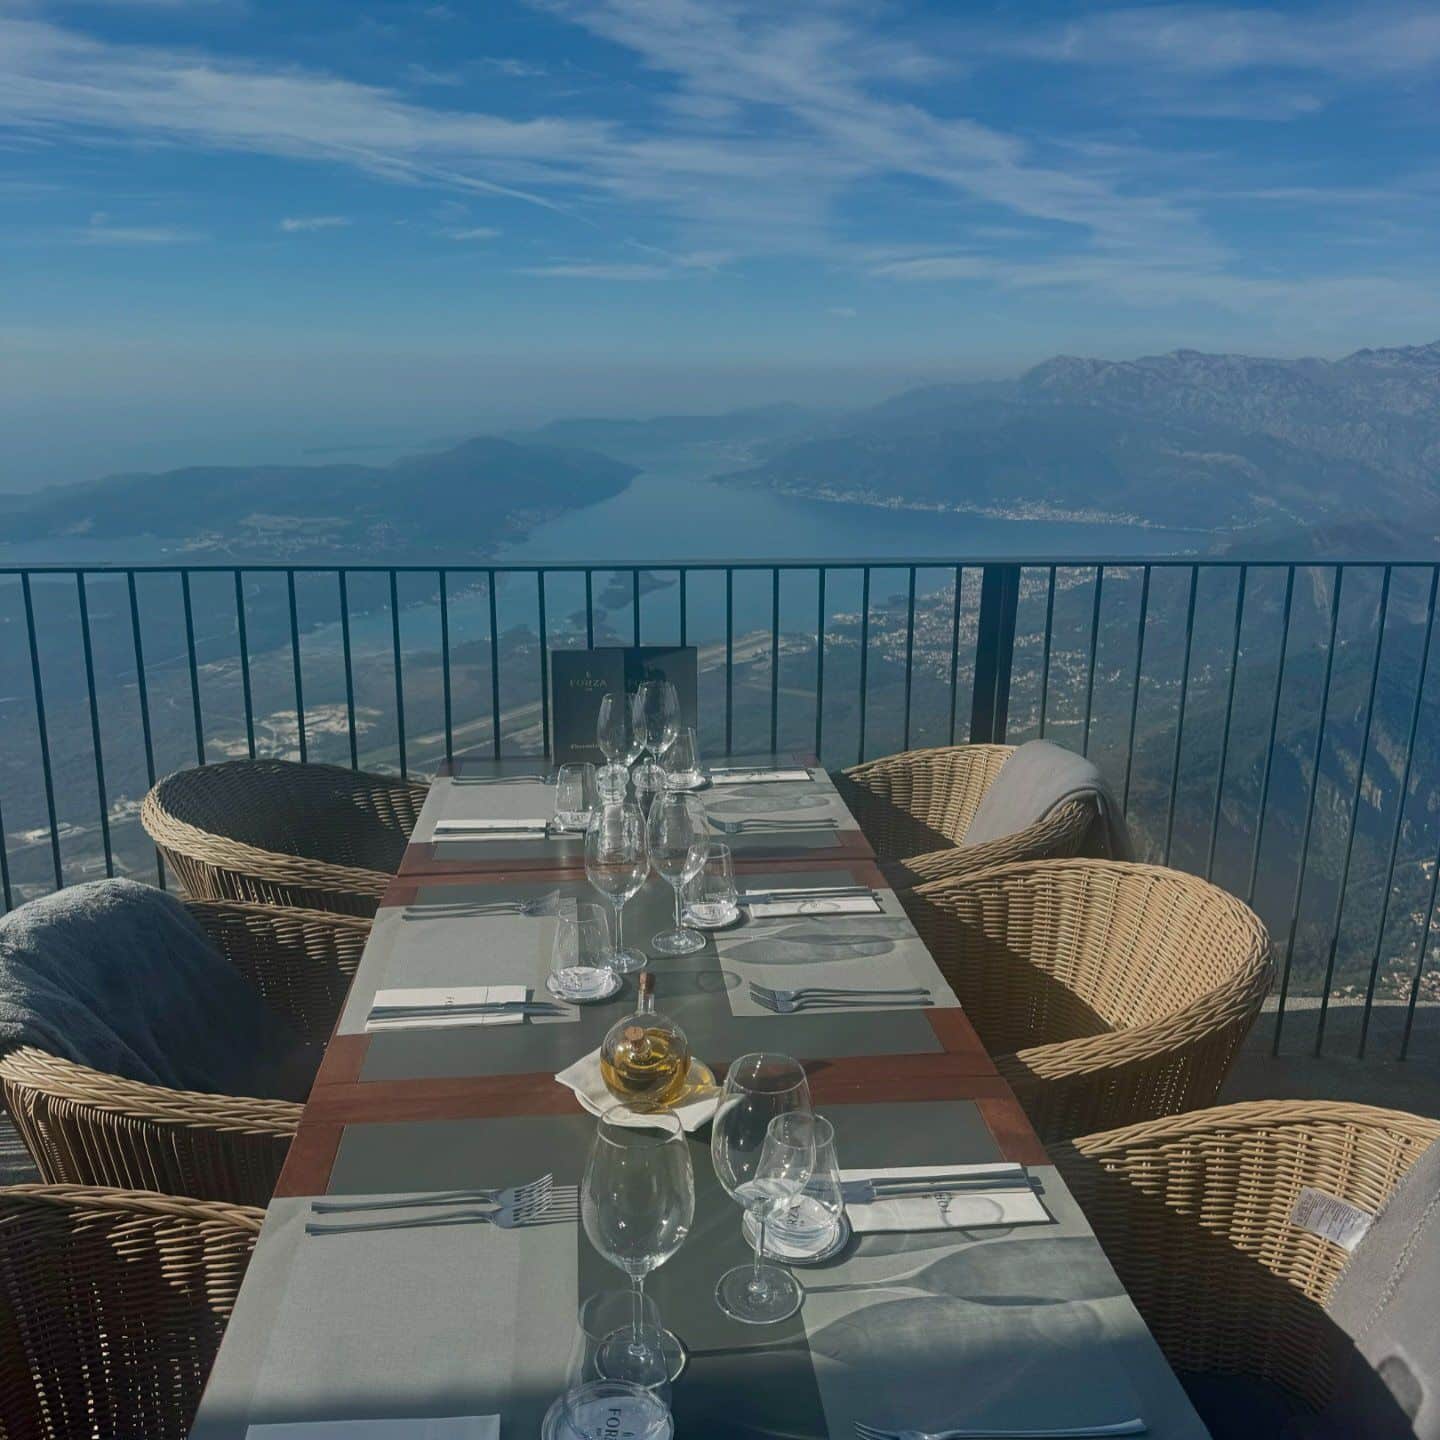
759	1088
616	864
656	712
638	1204
619	740
679	840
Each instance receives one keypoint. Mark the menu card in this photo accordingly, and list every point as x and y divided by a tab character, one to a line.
579	680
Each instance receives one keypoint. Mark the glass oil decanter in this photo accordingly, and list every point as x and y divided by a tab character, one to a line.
645	1058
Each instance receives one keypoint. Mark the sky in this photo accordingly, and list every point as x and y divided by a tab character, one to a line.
237	230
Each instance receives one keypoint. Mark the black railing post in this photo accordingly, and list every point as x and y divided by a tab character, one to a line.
994	653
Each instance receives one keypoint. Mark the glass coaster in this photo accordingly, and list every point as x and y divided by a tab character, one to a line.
819	1244
599	983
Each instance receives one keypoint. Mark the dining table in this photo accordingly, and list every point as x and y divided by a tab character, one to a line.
422	1330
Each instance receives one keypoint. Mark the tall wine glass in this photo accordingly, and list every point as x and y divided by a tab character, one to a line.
616	864
619	741
638	1204
679	841
758	1088
656	712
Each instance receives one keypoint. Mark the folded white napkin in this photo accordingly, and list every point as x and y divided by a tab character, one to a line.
757	777
775	905
963	1211
458	1427
457	996
695	1106
444	828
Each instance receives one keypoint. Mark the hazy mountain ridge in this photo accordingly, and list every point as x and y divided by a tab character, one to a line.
1189	439
486	489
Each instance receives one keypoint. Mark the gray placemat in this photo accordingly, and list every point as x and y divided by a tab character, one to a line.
441	1320
406	951
452	800
854	950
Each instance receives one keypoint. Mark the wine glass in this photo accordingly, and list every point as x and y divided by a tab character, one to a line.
638	1204
619	741
656	716
758	1088
679	840
616	864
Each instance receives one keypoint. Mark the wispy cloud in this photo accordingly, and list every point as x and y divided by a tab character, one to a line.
566	270
102	230
516	69
299	224
472	232
1221	40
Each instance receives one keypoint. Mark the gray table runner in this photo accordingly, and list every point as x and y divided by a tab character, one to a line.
1023	1326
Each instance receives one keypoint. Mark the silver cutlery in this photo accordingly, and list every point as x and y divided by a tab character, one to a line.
554	1211
837	1002
1065	1432
812	992
501	780
803	892
769	827
533	1192
430	1012
442	831
870	1192
451	909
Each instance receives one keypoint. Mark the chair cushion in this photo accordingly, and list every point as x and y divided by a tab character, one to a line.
1032	783
1240	1407
120	977
1387	1300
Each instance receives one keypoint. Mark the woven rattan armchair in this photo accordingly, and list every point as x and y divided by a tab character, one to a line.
1194	1213
281	833
1108	993
83	1127
914	808
112	1305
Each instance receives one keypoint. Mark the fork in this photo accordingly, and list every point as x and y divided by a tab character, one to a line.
552	1212
767	827
814	992
500	780
822	1002
1072	1432
452	908
532	1192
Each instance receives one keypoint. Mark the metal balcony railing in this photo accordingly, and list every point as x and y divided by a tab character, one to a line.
1271	725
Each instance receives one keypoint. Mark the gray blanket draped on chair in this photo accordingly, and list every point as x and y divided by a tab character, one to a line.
121	978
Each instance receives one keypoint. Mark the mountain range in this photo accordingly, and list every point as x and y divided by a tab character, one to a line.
1214	442
1253	455
486	490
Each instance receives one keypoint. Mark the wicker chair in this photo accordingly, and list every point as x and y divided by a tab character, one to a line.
1194	1213
112	1305
83	1127
1108	993
280	833
914	808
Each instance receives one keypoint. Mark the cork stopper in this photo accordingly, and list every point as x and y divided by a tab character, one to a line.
645	983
